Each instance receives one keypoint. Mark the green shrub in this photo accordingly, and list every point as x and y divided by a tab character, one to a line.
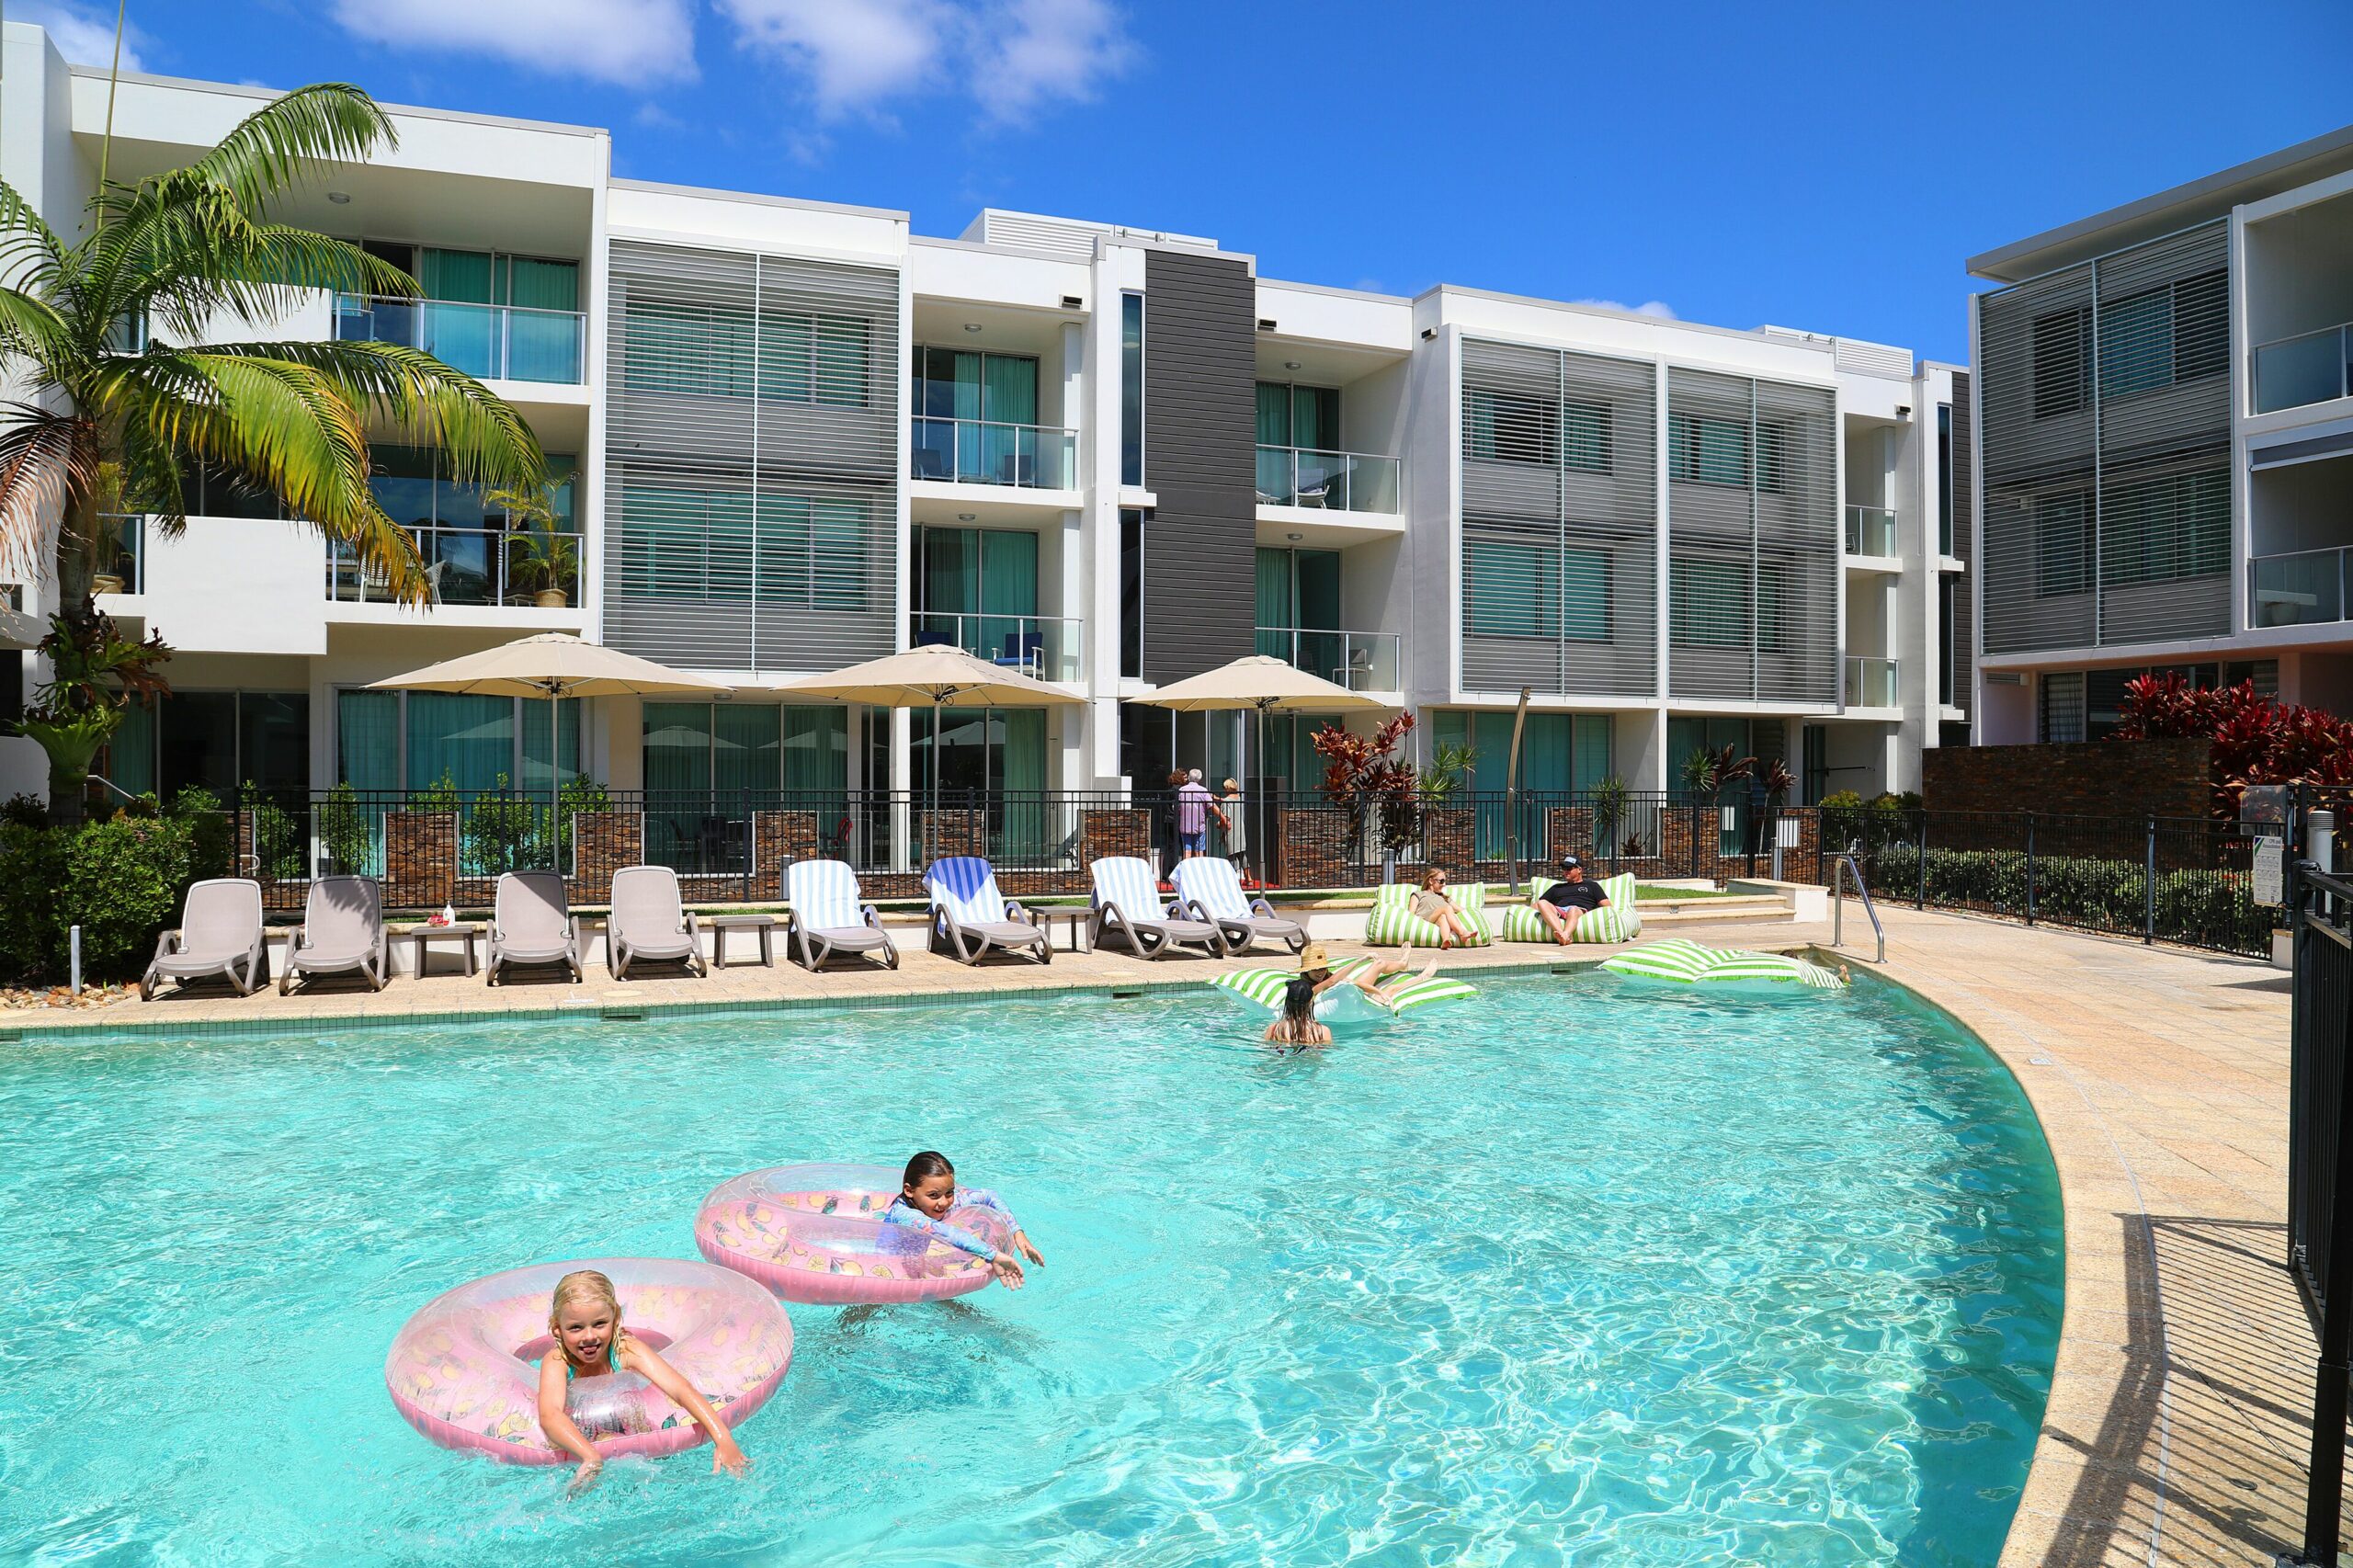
348	831
122	881
279	843
2207	909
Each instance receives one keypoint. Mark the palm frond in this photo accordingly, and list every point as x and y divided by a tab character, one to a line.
481	437
31	252
48	460
32	328
326	122
280	427
195	255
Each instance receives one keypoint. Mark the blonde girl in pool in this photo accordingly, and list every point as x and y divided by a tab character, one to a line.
589	1380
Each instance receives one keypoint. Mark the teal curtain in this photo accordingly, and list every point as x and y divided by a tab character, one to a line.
1585	596
1274	611
841	361
131	755
1319	589
1589	750
1009	386
542	348
543	285
463	275
546	731
1008	588
1315	417
368	739
1022	768
950	586
468	741
746	741
1274	414
459	334
816	748
678	747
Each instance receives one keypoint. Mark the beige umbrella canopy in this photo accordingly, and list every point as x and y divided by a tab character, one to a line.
932	676
551	665
1269	684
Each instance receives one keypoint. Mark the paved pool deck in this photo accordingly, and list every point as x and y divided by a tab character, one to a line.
2176	1426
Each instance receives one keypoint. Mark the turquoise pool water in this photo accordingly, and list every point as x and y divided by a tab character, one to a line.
1562	1275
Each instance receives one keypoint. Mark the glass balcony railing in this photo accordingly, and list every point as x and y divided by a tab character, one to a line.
515	567
981	451
2314	368
1871	683
1871	530
492	341
2306	588
123	554
1340	482
1361	660
1046	647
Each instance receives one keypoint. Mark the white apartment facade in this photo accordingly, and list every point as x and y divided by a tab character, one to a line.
794	434
2166	461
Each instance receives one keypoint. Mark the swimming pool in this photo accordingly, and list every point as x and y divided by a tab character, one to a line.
1565	1274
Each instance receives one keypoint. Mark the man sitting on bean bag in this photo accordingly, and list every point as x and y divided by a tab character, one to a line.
1563	905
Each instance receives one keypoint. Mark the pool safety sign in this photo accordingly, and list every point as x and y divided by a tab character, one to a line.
2270	870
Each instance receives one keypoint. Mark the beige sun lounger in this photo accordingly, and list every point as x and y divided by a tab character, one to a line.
1127	902
342	930
220	933
826	913
531	924
651	921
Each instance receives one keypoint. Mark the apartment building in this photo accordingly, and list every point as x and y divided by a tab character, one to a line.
792	435
2166	459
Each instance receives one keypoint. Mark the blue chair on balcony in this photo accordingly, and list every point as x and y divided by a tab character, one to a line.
934	640
1023	650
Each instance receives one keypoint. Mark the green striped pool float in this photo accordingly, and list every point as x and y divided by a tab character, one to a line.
1342	1005
1689	963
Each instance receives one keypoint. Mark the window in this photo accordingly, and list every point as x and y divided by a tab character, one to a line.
1510	589
2202	325
1585	437
2062	706
2136	344
718	351
1948	636
2062	546
694	544
1706	451
2165	528
396	741
2062	382
1132	524
1708	604
1508	429
1293	416
1131	388
1944	479
1776	619
213	740
1585	596
1773	458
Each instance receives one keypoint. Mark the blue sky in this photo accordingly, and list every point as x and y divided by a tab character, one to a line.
1818	166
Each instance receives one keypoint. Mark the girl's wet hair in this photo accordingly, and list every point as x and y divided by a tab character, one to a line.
582	1285
1299	1001
924	1165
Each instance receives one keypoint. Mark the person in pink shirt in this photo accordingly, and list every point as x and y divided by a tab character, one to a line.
1195	806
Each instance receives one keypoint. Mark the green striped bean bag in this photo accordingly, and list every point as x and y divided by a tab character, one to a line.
1342	1005
1620	920
1391	921
1687	963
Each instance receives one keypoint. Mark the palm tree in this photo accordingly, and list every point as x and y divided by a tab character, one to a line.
162	258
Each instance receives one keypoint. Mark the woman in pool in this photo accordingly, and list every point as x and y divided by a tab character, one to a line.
1430	904
1315	967
927	1190
589	1380
1298	1027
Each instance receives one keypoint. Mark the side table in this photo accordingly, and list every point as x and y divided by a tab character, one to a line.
761	926
425	935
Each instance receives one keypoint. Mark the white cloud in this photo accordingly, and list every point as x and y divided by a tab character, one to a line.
82	33
1011	57
1658	308
629	42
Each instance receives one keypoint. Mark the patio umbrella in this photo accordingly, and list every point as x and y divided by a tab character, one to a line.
555	665
931	676
1269	684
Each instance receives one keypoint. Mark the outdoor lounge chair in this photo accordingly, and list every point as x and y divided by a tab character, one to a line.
1127	899
220	933
650	920
971	917
342	930
1210	889
530	924
827	913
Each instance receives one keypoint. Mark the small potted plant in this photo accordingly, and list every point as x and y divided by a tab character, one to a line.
106	491
541	561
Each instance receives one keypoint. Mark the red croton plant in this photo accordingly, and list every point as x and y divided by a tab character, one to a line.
2256	738
1367	771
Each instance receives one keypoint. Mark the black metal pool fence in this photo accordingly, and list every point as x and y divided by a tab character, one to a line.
2320	1179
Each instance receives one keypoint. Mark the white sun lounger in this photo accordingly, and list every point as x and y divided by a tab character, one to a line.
342	930
649	920
1127	900
533	923
1210	889
971	917
219	933
827	913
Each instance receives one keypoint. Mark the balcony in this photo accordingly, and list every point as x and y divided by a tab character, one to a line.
1871	683
1338	481
515	568
2306	588
980	451
123	554
1871	530
1361	660
1046	647
2314	368
506	343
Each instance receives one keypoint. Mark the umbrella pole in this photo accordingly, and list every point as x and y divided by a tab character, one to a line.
1257	805
931	817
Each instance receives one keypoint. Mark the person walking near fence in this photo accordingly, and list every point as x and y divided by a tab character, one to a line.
1237	837
1195	806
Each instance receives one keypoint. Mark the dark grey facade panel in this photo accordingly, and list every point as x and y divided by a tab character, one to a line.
751	450
2104	390
1201	460
1962	642
1559	522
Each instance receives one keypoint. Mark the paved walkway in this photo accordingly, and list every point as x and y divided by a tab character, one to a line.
2176	1430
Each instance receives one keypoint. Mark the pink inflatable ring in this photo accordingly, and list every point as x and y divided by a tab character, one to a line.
464	1370
816	1233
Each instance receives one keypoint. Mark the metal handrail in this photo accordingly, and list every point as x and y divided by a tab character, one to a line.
992	452
1329	479
1871	525
414	324
1841	866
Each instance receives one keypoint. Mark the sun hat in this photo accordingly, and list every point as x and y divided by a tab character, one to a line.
1312	956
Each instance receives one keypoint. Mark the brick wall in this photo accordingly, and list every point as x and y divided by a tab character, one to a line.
420	858
777	837
2097	779
602	843
1449	840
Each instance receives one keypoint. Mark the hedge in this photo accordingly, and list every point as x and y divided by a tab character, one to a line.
2202	909
122	880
